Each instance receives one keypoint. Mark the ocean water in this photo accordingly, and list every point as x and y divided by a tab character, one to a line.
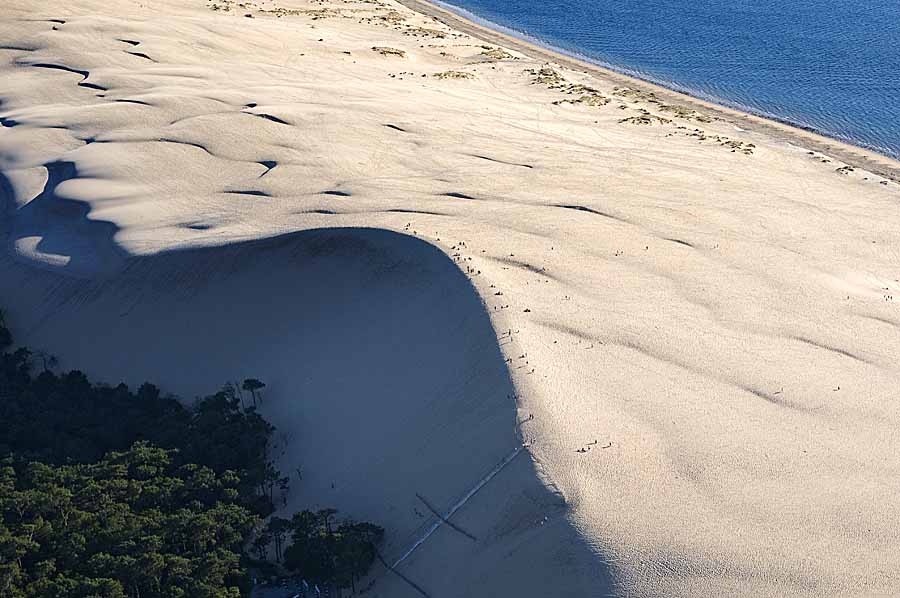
832	66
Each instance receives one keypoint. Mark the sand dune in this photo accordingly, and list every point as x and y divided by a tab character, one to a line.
387	385
418	251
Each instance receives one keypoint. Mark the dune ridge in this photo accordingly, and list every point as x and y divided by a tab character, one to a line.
691	325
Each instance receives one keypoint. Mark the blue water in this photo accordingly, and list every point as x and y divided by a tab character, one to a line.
829	65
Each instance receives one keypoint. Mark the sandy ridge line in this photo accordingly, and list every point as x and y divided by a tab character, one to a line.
855	156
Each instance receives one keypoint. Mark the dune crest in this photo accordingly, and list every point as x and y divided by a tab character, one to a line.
692	325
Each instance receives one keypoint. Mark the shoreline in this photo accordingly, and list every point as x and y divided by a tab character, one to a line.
853	155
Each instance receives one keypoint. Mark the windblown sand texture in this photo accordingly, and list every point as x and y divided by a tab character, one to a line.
435	250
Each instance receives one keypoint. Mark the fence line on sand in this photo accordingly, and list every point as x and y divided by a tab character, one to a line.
442	519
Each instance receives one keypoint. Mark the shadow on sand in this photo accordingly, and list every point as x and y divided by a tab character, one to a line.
385	381
55	231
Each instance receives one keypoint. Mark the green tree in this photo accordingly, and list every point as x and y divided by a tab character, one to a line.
327	555
132	524
278	530
255	387
110	493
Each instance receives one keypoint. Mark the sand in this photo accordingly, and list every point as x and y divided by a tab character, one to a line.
437	249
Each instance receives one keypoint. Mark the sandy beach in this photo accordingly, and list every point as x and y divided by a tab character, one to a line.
627	342
851	154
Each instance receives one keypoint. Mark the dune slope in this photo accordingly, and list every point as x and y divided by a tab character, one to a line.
434	249
386	384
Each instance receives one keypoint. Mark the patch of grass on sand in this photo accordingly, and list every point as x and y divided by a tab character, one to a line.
425	32
592	99
646	118
315	13
392	18
547	76
651	98
588	96
454	75
738	146
386	51
685	113
726	142
495	53
636	94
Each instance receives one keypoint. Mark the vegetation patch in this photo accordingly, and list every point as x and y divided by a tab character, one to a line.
454	75
392	16
733	144
587	95
587	100
314	13
385	51
636	94
547	76
685	113
495	53
645	118
425	32
110	493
